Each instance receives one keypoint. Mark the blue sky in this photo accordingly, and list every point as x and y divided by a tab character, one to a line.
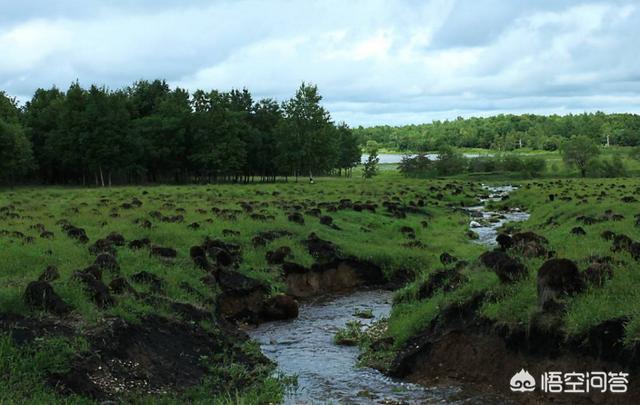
375	62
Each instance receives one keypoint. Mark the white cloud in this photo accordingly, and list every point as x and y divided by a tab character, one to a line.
375	61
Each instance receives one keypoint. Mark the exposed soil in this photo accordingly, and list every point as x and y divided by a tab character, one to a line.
459	347
335	276
156	355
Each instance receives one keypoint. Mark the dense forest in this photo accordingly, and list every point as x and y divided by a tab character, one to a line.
507	132
149	132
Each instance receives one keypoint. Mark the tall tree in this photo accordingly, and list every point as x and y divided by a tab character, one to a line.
266	118
42	123
68	144
15	152
579	152
370	167
106	141
349	153
310	133
9	111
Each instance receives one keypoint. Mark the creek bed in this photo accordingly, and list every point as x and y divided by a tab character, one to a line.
328	373
480	216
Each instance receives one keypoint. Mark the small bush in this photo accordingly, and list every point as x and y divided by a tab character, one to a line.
609	168
533	166
483	165
512	163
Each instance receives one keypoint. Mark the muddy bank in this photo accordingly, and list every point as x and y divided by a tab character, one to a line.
248	300
337	275
154	355
460	346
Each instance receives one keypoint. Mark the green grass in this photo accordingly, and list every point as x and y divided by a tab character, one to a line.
23	369
514	305
371	236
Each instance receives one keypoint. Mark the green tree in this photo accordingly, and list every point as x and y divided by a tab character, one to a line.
307	143
533	166
9	111
266	118
42	123
417	166
106	140
15	152
68	145
370	167
349	153
578	152
449	162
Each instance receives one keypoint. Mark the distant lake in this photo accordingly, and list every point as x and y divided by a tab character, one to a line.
397	157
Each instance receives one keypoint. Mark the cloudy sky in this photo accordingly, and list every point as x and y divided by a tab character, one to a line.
375	62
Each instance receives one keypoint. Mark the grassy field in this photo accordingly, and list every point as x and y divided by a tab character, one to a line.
593	205
233	213
180	217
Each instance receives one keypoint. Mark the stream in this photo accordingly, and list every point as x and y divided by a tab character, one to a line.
328	373
486	223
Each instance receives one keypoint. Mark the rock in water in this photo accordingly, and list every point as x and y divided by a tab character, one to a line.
280	307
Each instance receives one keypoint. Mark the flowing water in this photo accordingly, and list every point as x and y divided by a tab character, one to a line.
486	223
328	373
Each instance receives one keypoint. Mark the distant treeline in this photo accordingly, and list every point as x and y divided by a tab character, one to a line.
507	132
149	132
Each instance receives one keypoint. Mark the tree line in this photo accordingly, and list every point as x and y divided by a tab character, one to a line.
579	152
507	132
150	132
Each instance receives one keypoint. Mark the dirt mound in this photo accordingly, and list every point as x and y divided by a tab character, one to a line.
137	244
121	286
262	238
75	233
163	252
40	295
106	261
242	297
150	279
530	244
556	279
154	356
446	258
506	268
296	217
578	231
49	274
278	256
445	279
222	253
321	250
103	246
199	257
95	289
599	271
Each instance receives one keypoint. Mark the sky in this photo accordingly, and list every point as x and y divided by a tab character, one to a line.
375	62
